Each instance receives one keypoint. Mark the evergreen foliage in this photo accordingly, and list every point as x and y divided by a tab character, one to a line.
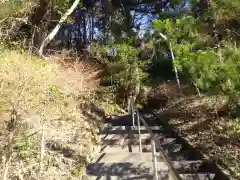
212	69
126	70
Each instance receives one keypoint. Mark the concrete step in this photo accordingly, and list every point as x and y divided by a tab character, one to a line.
124	141
127	135
123	148
112	144
125	167
198	176
123	157
126	120
174	156
134	143
124	145
116	161
127	177
146	138
108	128
133	131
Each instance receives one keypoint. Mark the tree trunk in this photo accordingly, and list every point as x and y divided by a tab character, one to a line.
39	12
92	23
105	29
49	38
84	29
128	23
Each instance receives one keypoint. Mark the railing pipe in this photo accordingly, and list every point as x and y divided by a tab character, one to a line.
129	106
139	133
155	168
133	118
173	173
154	142
175	70
131	110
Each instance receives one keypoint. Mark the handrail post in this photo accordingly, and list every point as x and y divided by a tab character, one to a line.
132	111
133	118
139	133
129	106
155	169
154	142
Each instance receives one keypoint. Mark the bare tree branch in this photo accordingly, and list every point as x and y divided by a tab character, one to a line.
49	38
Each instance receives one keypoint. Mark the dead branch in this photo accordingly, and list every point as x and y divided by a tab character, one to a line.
11	130
42	150
2	20
9	31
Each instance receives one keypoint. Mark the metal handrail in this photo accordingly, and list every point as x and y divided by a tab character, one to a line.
155	143
154	157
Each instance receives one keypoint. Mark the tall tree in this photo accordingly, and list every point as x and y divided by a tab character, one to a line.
53	33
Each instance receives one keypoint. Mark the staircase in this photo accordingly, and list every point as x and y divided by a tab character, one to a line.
121	158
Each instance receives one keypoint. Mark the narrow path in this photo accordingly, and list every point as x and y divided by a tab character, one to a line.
119	157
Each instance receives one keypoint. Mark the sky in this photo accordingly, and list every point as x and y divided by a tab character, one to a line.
145	19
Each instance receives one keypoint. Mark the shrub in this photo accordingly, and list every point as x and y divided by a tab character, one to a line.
125	70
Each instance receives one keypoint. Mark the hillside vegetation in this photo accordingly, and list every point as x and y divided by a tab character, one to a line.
44	134
51	106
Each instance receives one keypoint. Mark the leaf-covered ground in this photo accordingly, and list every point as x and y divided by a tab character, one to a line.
204	123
